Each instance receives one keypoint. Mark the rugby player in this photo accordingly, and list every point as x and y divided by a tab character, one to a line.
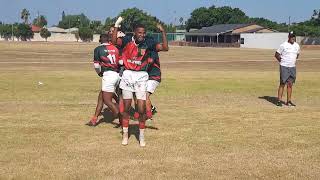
106	64
94	119
137	57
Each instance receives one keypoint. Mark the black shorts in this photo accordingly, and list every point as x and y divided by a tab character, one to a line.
287	74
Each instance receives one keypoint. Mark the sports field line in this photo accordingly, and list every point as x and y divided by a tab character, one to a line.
163	62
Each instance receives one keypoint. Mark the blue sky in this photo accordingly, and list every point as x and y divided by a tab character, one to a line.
168	11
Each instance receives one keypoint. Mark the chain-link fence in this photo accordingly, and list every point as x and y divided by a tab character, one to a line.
170	36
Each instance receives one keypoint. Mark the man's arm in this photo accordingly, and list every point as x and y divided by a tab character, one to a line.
114	38
96	62
277	56
164	46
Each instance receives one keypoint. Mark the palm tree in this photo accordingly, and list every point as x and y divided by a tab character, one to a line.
181	20
25	15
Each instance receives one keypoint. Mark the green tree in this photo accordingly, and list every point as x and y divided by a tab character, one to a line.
25	15
24	32
204	17
86	34
40	21
181	20
133	16
6	31
15	30
200	17
109	22
76	35
63	15
71	21
44	33
267	23
97	27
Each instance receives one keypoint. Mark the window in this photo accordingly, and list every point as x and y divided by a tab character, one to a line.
242	41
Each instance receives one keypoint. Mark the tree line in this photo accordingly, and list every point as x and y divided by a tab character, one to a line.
204	17
200	17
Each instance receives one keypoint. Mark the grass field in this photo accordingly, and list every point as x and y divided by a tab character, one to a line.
215	117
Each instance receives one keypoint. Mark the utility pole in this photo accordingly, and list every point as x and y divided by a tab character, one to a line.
289	24
217	38
38	18
12	32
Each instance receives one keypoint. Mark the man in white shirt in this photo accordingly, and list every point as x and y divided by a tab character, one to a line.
287	55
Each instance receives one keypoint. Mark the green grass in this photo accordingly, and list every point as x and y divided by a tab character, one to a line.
212	125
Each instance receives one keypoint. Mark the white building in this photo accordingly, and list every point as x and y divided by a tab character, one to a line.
264	40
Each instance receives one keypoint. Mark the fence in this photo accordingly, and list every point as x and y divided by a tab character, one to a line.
311	41
170	36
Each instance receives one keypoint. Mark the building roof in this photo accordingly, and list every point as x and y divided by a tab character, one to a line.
218	29
57	30
72	30
226	28
35	28
258	30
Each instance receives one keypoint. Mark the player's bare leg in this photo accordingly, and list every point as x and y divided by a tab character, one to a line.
125	121
280	94
142	121
289	93
136	113
107	97
121	109
94	119
148	106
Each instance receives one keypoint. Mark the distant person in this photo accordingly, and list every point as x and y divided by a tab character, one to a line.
287	55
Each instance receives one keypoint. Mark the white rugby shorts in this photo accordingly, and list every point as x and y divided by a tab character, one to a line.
110	81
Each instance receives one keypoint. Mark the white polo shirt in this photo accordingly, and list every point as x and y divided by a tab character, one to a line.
288	53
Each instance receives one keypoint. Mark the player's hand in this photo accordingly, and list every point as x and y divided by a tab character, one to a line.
118	22
160	27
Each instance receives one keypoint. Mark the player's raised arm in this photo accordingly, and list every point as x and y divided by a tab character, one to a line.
164	46
115	32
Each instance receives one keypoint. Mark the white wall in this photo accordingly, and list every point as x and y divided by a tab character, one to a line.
56	37
264	40
59	37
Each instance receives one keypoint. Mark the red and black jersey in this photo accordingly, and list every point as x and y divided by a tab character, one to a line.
154	69
137	57
108	56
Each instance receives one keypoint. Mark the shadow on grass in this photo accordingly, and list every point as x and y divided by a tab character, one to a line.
109	119
270	99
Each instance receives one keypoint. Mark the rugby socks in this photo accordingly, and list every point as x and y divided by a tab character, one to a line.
94	120
121	106
149	114
125	123
125	130
142	124
142	141
136	115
